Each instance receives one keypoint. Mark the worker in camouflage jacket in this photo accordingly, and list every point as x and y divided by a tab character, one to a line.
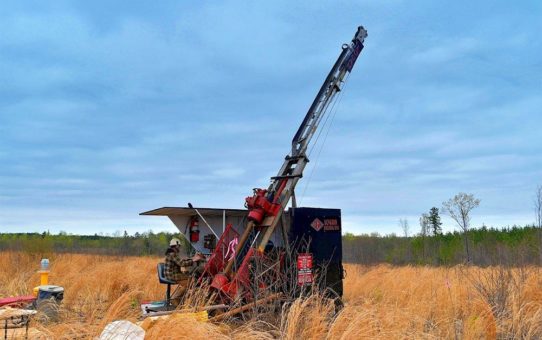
181	270
178	268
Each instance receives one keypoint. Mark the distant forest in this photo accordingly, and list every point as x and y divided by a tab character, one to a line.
139	244
487	246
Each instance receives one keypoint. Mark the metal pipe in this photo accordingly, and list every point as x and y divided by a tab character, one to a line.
245	307
207	308
203	218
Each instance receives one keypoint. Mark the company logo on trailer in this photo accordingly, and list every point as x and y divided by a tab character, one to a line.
331	224
317	224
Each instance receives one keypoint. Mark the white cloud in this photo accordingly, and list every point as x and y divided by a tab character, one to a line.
447	50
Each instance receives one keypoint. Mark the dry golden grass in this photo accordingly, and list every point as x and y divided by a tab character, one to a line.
381	302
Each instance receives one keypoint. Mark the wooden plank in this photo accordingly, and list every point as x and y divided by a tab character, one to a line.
8	313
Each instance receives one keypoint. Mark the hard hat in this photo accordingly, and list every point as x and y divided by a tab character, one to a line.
174	242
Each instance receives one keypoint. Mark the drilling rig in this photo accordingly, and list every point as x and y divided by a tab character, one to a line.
266	235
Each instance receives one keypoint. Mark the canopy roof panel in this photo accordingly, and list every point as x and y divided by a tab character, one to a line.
178	211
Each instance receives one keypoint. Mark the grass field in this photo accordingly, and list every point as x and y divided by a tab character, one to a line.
381	302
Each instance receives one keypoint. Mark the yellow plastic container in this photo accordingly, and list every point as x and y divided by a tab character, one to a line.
44	277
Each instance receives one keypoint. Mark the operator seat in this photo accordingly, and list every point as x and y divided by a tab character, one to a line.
160	268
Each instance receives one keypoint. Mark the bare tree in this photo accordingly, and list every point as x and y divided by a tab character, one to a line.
538	206
403	223
538	217
459	208
424	225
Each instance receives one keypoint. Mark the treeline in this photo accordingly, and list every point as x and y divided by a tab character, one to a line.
139	244
487	246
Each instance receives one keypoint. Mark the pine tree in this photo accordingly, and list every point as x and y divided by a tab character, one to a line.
434	221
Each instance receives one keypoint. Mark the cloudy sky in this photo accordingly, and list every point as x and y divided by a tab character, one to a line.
111	109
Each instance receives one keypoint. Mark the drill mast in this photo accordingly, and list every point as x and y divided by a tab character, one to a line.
267	205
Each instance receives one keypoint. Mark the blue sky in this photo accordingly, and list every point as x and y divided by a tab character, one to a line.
110	109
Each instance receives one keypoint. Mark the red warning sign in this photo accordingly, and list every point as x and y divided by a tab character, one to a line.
304	269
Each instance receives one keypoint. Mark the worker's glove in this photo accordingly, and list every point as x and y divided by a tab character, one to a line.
198	257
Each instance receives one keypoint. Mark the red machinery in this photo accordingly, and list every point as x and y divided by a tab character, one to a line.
231	276
194	229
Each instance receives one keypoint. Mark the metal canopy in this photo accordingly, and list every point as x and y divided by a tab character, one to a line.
178	211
